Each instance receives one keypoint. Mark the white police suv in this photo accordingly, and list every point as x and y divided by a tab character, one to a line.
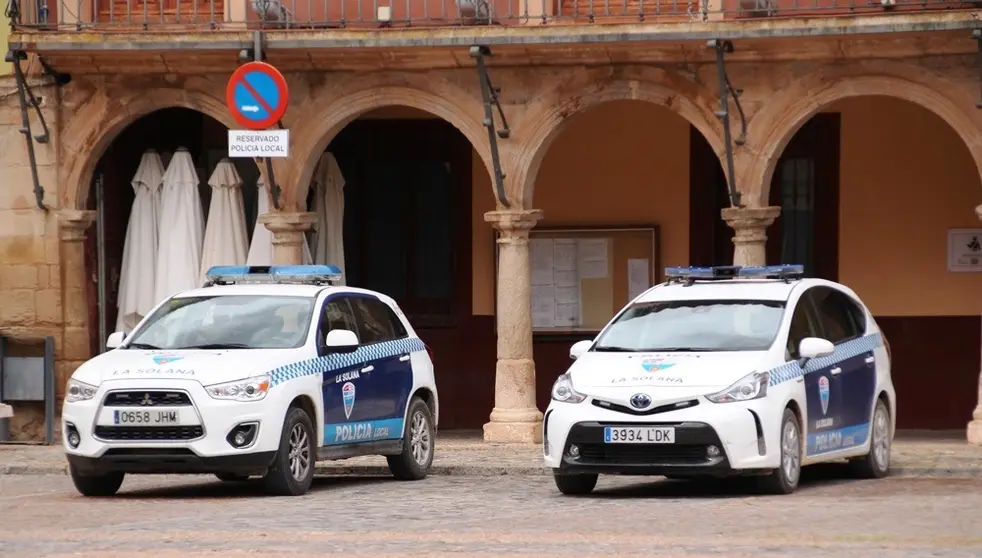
262	371
722	371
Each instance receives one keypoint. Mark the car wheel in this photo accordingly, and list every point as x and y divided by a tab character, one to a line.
784	479
417	444
106	484
292	470
575	485
231	477
876	463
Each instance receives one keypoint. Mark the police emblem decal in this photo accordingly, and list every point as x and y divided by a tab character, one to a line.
655	364
164	359
823	393
348	395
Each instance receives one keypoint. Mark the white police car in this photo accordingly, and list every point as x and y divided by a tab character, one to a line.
261	372
724	371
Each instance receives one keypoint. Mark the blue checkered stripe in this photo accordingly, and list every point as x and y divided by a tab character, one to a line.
849	349
340	361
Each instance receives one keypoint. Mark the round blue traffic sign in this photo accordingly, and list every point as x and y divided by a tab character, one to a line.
257	95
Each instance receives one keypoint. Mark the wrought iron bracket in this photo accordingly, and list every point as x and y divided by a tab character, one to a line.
726	90
977	35
27	97
489	94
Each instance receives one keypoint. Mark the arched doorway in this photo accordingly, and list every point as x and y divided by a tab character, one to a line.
614	168
165	131
872	191
409	181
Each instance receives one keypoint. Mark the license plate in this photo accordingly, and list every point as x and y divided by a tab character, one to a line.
639	435
146	418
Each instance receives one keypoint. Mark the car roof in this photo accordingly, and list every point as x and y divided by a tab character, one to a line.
731	289
272	289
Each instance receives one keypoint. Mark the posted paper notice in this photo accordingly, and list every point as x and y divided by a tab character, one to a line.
638	277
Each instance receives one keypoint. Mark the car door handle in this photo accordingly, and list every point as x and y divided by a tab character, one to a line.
835	371
870	360
403	358
368	368
800	379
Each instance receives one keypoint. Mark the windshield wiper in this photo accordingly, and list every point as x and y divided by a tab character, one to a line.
216	346
146	346
681	350
614	349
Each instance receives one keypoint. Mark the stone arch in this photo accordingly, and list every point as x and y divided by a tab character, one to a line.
445	101
592	87
777	123
102	119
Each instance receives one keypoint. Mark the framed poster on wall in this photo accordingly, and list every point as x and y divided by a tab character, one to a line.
965	250
582	276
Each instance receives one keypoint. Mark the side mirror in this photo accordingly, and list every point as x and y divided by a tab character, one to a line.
814	347
341	341
578	348
115	339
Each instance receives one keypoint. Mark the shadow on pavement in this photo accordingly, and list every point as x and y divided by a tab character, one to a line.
202	486
812	477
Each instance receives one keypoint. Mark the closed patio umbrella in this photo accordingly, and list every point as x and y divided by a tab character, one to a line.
226	239
136	284
182	229
329	206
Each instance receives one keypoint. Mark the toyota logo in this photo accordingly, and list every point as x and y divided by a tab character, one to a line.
640	401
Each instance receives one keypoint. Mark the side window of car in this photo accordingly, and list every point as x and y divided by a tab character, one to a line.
377	322
336	314
834	309
803	324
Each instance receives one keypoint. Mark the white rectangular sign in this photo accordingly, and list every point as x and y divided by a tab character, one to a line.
965	250
258	143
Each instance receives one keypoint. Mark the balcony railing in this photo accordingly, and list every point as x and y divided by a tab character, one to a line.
163	15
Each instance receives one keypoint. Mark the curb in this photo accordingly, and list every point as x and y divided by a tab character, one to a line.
490	471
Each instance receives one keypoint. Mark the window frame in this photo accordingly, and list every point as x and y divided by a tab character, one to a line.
850	315
399	330
806	303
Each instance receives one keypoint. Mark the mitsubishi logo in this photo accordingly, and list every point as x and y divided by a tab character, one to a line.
146	400
640	401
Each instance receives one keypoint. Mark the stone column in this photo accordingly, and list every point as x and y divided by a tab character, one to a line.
73	226
974	432
750	232
515	417
288	234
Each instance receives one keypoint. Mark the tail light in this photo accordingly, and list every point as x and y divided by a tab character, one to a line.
429	351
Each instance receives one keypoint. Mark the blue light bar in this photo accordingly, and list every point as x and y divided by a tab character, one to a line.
733	272
299	274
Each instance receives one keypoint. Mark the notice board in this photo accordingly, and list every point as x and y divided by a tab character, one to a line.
581	277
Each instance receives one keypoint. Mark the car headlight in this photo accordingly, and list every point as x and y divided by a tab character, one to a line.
751	386
563	390
249	389
79	391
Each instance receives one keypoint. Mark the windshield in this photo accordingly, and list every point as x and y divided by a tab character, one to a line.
226	322
694	325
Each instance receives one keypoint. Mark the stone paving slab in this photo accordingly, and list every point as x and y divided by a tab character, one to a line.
466	454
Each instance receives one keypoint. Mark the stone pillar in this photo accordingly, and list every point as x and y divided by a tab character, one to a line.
515	417
73	226
288	234
974	432
750	232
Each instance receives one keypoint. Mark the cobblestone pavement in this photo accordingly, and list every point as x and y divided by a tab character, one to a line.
501	516
465	453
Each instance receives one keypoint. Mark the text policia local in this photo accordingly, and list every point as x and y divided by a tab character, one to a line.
258	144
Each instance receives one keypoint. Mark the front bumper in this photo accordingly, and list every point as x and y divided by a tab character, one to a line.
201	447
745	433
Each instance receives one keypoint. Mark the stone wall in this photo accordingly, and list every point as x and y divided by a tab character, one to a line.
30	274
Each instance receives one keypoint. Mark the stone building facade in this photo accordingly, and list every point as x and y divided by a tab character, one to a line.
925	59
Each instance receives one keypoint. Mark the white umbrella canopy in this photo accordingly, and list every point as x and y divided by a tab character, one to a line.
182	227
261	249
329	206
136	293
226	239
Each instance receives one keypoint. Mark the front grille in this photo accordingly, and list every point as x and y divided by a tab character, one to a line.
147	399
148	433
642	454
154	452
660	409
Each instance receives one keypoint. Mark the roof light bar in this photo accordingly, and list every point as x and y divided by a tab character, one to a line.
690	274
292	274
